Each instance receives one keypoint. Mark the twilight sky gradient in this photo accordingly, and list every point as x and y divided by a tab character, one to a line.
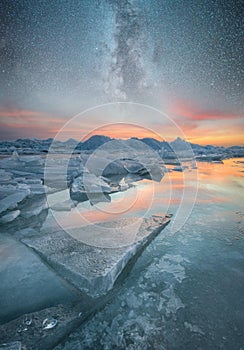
184	57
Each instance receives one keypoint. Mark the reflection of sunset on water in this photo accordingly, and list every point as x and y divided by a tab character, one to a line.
148	197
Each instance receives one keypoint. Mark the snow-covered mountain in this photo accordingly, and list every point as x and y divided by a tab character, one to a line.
93	142
36	146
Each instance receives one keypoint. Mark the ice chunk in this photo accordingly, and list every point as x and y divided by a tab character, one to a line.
49	323
16	345
37	188
101	164
123	186
134	167
9	217
15	155
27	320
66	205
156	172
12	200
6	190
34	207
90	183
115	168
145	169
86	186
94	266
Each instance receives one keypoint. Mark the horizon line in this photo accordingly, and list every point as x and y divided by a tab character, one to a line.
117	138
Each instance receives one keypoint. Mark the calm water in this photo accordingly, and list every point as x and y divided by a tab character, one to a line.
186	291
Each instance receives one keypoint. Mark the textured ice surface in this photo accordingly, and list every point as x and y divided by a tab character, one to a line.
193	328
34	207
94	268
186	290
173	302
178	295
49	323
89	184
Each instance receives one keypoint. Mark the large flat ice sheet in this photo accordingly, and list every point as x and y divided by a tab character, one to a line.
92	267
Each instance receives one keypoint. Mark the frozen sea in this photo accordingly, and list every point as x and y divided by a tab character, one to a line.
186	291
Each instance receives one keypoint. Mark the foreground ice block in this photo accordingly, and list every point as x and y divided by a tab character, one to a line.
93	267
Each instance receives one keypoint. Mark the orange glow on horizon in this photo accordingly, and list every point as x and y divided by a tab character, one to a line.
124	131
219	140
201	127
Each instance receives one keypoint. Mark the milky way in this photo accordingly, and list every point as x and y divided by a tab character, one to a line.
64	56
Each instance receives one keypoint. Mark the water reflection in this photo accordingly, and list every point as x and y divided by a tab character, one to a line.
217	183
221	182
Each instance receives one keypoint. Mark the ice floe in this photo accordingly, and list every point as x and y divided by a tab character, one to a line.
94	268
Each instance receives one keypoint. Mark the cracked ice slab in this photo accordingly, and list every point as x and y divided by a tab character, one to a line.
12	200
91	267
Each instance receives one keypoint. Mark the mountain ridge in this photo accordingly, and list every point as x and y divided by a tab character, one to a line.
37	146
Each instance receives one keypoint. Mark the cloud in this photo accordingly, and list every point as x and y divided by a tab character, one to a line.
181	108
12	112
192	124
15	116
17	123
12	132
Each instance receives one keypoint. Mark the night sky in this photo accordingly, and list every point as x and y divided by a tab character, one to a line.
58	58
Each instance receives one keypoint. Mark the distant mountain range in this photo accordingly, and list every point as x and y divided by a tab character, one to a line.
36	146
